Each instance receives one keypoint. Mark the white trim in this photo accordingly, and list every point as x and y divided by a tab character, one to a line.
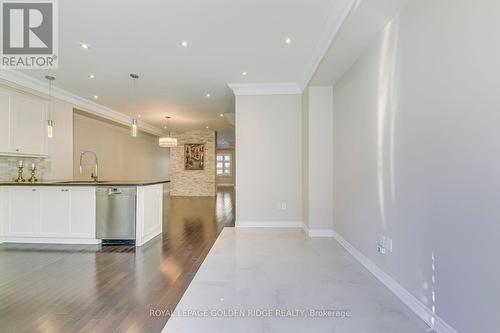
268	224
330	31
404	295
285	88
21	81
317	232
320	233
156	232
48	240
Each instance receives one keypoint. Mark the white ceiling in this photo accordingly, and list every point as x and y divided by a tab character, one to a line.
225	38
366	19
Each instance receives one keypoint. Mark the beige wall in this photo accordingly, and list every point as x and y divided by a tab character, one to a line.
227	180
193	182
121	156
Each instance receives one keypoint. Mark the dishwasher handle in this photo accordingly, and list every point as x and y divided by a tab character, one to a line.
114	191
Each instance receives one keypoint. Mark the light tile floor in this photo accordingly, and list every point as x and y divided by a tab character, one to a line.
282	269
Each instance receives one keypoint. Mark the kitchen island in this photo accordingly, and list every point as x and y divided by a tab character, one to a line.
64	212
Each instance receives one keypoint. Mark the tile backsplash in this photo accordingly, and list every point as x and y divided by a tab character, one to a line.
8	167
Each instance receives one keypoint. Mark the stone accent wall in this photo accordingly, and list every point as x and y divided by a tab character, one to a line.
8	167
193	182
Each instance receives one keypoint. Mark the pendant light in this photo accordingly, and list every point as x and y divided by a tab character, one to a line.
50	122
167	141
133	127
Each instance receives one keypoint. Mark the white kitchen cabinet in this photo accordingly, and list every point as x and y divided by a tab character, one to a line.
48	214
23	211
23	124
4	121
82	220
54	211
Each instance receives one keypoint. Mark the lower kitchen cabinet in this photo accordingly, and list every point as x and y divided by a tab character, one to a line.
48	214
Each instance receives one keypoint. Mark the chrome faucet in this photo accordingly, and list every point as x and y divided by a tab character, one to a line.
94	174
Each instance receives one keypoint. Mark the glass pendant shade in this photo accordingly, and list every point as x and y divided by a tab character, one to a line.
167	142
133	128
50	128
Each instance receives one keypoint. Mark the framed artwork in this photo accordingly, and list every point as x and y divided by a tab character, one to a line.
194	156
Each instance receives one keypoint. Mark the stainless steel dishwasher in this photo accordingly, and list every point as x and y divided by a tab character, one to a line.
116	214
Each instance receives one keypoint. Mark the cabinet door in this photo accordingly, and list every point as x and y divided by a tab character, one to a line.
55	212
83	219
29	119
23	216
5	121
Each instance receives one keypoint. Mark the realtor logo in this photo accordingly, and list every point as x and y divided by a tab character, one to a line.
29	34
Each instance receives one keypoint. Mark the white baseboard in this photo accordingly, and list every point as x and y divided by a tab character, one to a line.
320	233
268	224
150	236
40	240
420	309
317	232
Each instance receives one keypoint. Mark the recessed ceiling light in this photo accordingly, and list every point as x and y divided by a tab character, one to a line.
96	97
184	43
207	95
244	73
91	76
221	115
206	127
288	40
138	116
85	46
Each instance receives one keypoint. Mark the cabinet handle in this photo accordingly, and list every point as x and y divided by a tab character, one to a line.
17	149
33	189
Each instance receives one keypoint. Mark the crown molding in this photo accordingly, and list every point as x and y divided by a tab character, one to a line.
332	27
23	82
285	88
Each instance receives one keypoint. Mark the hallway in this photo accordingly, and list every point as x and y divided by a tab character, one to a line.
72	288
279	280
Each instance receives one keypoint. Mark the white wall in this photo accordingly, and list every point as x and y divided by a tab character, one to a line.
417	156
317	175
121	156
268	159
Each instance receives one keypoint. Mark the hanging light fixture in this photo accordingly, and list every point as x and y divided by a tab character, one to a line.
133	127
50	122
167	141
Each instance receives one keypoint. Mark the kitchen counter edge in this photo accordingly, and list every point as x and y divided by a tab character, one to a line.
63	183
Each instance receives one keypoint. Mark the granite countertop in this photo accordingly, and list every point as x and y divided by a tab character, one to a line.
74	182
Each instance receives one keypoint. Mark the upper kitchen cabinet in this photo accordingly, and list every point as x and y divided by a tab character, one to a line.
23	120
4	121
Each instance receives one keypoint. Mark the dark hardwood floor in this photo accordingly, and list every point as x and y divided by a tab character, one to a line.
81	288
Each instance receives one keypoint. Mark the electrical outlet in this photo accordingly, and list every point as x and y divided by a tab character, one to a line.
384	244
281	206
